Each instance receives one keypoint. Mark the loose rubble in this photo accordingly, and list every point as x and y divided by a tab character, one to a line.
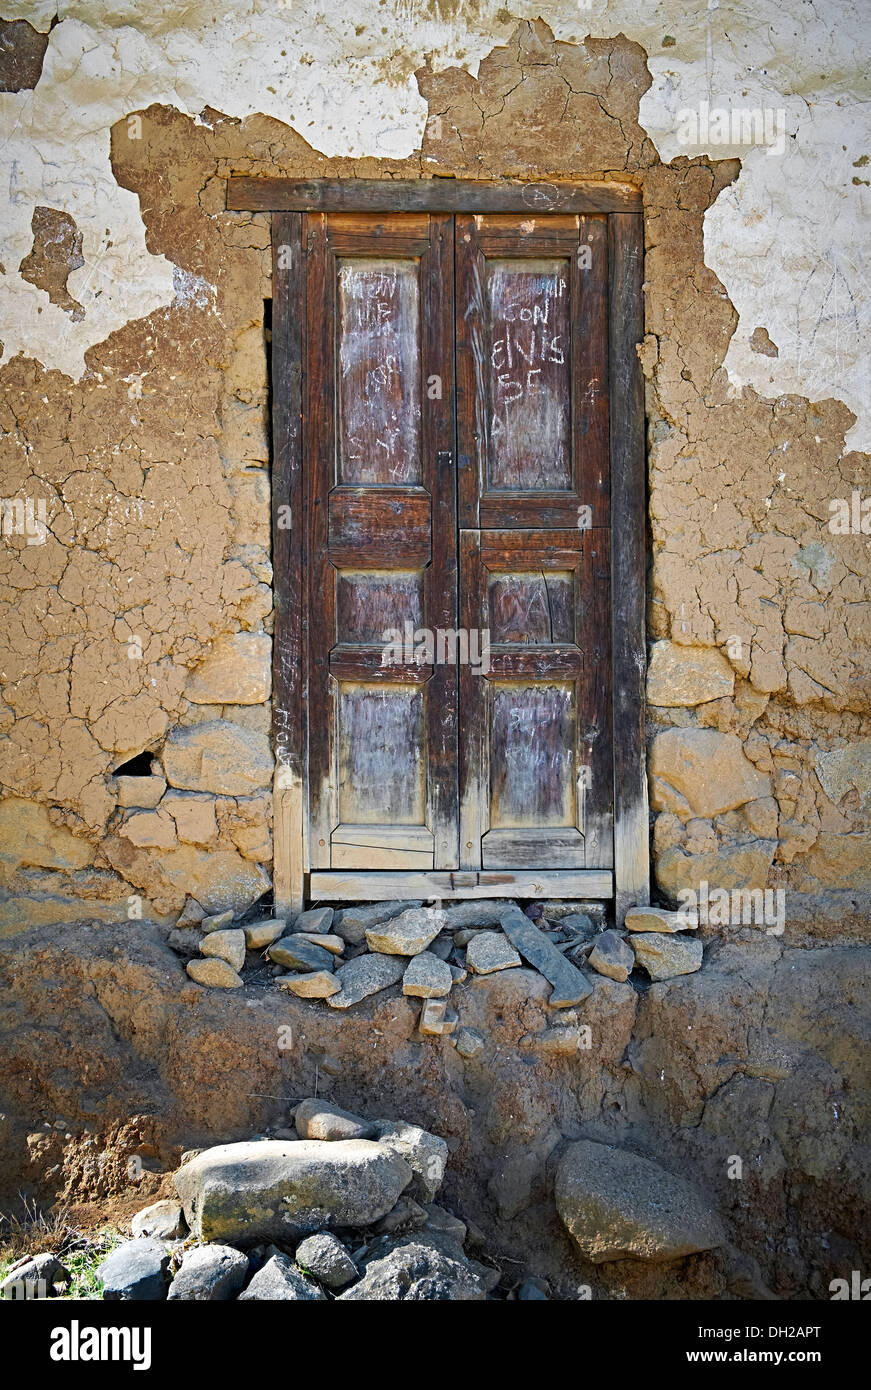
664	956
347	955
346	1209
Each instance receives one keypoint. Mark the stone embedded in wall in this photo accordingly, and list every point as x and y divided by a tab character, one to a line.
247	822
143	792
217	878
836	861
762	817
680	676
236	671
732	866
29	837
150	830
217	757
194	816
844	770
699	772
665	956
616	1204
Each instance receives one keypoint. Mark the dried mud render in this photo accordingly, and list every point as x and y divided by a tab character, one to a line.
154	470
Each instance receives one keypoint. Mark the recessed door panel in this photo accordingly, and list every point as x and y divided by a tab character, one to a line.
536	745
532	371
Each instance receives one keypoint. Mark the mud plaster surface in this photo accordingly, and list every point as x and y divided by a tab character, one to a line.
784	240
153	460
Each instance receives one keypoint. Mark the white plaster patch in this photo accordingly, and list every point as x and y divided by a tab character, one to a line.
785	240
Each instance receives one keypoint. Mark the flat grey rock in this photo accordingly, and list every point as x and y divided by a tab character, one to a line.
218	922
135	1271
426	1154
365	975
314	919
273	1189
555	911
612	956
417	1270
474	913
353	923
617	1204
34	1278
489	951
319	1119
280	1280
570	986
444	1223
407	1215
185	940
469	1042
295	954
427	977
408	933
663	956
210	1274
162	1220
326	1258
578	924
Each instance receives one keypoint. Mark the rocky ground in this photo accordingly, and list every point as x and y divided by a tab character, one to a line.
344	1209
745	1080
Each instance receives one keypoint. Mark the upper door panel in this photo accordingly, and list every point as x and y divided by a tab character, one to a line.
532	371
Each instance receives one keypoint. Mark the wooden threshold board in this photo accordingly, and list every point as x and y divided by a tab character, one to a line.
478	883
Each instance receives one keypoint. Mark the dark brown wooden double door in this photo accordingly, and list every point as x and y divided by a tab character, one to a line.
456	451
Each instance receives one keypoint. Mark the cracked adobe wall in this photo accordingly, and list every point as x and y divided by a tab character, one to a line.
134	407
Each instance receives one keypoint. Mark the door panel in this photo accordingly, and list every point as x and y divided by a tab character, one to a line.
532	371
535	751
382	541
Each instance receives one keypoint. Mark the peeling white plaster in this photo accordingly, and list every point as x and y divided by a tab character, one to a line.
787	239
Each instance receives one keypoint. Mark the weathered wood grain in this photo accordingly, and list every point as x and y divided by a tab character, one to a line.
359	886
628	563
249	194
288	533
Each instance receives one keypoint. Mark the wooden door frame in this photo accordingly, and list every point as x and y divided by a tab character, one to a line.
287	200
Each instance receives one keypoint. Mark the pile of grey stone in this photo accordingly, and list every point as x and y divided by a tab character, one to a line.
344	956
344	1210
343	1207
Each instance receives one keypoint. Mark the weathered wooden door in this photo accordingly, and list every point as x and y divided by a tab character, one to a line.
462	417
382	534
532	373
